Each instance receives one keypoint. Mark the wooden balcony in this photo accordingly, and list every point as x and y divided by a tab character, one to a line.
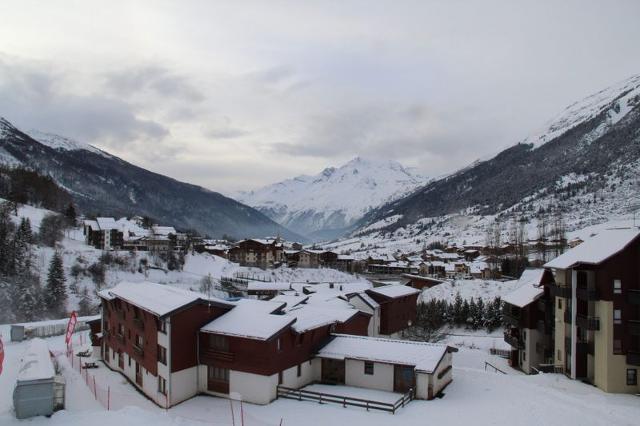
514	341
633	327
558	291
633	358
587	294
138	323
218	355
137	349
588	323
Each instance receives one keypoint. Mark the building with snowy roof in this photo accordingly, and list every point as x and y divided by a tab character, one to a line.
398	307
596	295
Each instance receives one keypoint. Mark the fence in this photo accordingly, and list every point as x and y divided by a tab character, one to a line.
306	395
496	369
504	353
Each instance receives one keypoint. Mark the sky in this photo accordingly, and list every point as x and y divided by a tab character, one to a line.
235	95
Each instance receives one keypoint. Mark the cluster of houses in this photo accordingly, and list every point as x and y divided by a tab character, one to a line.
107	233
173	344
580	313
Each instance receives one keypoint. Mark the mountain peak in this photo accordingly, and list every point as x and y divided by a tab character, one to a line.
60	142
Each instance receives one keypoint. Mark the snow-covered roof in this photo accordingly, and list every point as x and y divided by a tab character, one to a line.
309	317
159	299
290	299
268	286
36	362
250	319
597	249
91	223
424	356
163	230
367	299
394	290
106	223
524	295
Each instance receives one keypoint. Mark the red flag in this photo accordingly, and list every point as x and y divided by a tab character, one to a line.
71	325
1	354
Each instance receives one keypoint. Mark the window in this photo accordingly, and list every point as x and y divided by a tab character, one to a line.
368	368
617	346
139	341
617	316
632	377
218	374
524	356
524	335
617	287
559	303
162	326
280	377
129	356
278	345
121	330
299	371
162	355
559	355
162	385
106	353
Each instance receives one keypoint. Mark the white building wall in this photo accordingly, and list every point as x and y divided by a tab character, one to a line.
422	385
440	383
253	388
374	323
290	377
184	384
381	379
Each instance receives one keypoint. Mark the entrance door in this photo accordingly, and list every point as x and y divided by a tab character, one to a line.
218	379
403	378
333	371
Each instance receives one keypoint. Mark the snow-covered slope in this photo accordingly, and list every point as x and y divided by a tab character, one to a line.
614	102
60	142
334	199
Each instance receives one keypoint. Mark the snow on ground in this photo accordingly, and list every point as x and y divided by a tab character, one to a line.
475	397
487	290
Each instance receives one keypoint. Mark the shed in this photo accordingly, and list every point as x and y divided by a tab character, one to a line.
39	391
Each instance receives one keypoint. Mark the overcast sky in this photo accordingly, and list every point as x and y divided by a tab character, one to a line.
235	95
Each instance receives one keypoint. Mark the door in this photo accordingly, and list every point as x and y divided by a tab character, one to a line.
403	378
218	379
121	360
138	374
333	371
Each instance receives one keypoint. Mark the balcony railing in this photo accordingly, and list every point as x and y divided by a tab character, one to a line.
634	297
633	358
558	291
137	349
634	327
218	355
514	341
138	323
587	294
588	323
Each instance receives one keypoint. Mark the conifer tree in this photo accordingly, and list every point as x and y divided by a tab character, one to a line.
56	292
84	304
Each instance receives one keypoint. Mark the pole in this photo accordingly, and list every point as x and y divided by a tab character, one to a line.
241	414
95	393
233	420
108	397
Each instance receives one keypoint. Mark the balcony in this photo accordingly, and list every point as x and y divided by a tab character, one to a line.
218	355
587	294
138	323
634	327
557	291
633	358
120	337
514	341
138	350
510	317
588	323
633	297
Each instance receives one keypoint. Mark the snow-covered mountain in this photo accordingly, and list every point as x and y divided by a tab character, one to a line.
325	205
102	183
583	165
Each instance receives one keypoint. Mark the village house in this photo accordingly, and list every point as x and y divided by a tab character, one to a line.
261	253
398	307
527	315
588	302
596	296
103	233
421	282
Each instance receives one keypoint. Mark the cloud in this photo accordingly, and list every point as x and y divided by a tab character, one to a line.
35	95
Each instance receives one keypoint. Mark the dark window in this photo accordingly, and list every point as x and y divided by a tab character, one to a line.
617	346
299	372
162	326
280	378
559	303
162	385
129	356
278	345
617	316
218	374
139	341
218	343
368	368
162	355
632	377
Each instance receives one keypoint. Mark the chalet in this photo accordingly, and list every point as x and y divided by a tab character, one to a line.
309	258
387	365
421	282
262	253
150	336
596	300
398	307
103	233
528	330
267	289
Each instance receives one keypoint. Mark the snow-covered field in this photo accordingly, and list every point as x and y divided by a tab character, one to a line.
487	290
476	396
